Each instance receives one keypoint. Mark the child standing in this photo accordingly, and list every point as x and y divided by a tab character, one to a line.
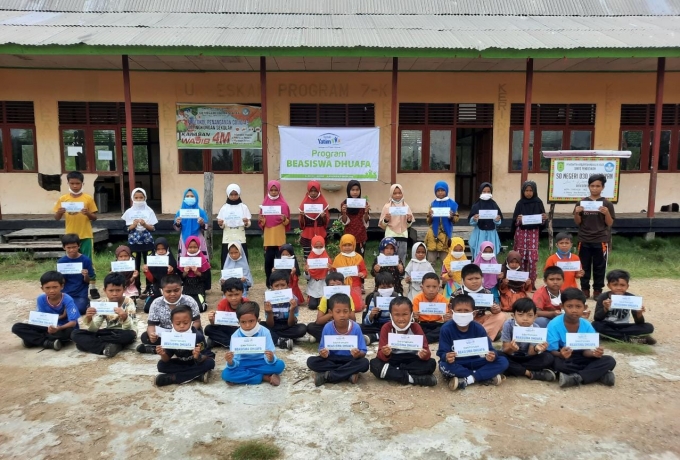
487	255
312	223
577	367
140	221
124	254
236	258
281	319
374	317
452	277
53	301
548	298
349	258
564	254
194	285
484	229
403	366
527	236
252	369
80	223
594	234
232	289
419	263
431	324
511	291
155	274
316	277
615	323
441	228
323	316
388	247
274	228
287	251
334	366
234	217
397	226
355	220
76	285
464	371
195	227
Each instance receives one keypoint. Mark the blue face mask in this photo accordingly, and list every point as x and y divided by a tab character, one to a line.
563	253
190	201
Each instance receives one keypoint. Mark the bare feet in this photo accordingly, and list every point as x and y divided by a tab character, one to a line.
273	379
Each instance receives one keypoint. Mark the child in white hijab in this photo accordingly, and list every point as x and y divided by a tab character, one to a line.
234	217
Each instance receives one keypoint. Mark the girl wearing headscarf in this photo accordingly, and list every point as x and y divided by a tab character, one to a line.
348	257
191	226
233	218
193	285
123	253
237	258
441	228
510	291
274	228
140	221
312	223
287	251
316	277
355	220
487	255
527	236
388	247
453	278
418	263
397	226
484	229
155	274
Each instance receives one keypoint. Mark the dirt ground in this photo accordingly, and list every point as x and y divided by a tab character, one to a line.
70	404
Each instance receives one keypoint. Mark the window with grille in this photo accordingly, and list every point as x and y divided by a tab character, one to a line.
553	127
17	137
333	115
637	135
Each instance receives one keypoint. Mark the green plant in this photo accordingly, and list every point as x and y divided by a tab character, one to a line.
333	241
256	450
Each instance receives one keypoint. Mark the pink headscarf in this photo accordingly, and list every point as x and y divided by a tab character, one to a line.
205	263
273	221
489	279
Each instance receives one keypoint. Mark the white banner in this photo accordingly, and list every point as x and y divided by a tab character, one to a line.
329	153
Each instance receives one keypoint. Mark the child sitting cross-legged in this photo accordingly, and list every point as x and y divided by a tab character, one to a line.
335	366
281	318
431	324
375	316
404	366
323	315
232	289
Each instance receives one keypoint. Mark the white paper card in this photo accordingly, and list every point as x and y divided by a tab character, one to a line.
591	206
529	334
104	155
226	318
161	330
190	261
158	261
457	265
357	203
74	268
309	208
189	213
417	276
491	269
441	212
232	273
74	151
383	303
248	345
583	341
398	210
317	263
104	308
626	302
352	270
138	214
277	297
532	219
284	264
514	275
569	266
72	206
123	266
405	341
234	219
330	291
488	213
388	261
37	318
432	308
178	340
481	300
340	342
471	347
270	210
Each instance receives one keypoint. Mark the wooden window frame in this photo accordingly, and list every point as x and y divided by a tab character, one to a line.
317	115
647	129
207	162
5	128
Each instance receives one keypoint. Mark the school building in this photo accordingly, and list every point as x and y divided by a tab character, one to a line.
447	83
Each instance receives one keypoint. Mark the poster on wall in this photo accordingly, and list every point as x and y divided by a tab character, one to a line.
568	179
329	153
219	126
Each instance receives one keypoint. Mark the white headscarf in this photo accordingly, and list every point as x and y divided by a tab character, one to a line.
233	188
131	213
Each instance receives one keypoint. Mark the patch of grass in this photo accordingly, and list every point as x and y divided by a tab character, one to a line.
629	348
255	450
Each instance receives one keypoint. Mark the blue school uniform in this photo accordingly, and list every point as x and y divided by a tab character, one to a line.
249	368
75	285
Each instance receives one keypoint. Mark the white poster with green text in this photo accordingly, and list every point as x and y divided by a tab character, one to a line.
329	153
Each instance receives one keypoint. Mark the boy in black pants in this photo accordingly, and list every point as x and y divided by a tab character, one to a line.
281	319
530	360
375	315
232	289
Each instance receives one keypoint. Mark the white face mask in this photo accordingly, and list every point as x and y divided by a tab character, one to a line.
139	204
173	303
251	332
510	268
555	301
318	251
466	289
287	257
462	319
193	254
485	196
75	193
457	254
402	329
273	197
385	292
488	256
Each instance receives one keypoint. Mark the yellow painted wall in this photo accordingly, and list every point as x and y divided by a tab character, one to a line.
46	88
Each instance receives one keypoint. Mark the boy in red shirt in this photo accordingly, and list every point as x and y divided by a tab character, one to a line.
233	297
431	324
562	258
548	298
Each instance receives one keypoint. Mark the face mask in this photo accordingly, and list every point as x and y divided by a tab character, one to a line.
555	301
457	254
466	289
402	329
273	197
385	292
251	332
510	268
487	256
349	254
193	254
563	253
462	319
287	257
139	204
178	332
397	201
318	251
190	201
174	303
485	196
75	193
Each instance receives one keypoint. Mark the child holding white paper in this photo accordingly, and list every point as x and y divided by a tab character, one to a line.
527	235
563	254
348	257
52	301
282	318
430	323
355	220
374	317
181	366
140	221
313	223
614	323
124	254
274	227
193	226
388	247
323	316
466	370
509	290
415	367
193	276
452	278
577	367
237	258
548	298
484	227
334	366
418	263
287	251
155	274
530	360
233	218
441	227
220	334
397	226
316	277
76	285
487	255
252	369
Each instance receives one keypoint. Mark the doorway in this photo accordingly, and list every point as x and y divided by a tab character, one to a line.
473	162
147	158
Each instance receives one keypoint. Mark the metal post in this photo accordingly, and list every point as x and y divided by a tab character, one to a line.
527	118
263	103
393	122
128	125
658	111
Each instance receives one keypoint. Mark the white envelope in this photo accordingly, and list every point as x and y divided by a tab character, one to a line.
532	219
278	297
457	265
529	334
104	308
284	264
481	300
189	213
38	318
569	266
72	206
72	268
270	210
352	270
488	213
441	212
312	208
359	203
383	303
491	269
583	341
315	264
388	261
248	345
417	276
340	342
405	341
626	302
178	340
432	308
190	261
330	291
226	318
591	206
123	266
232	273
398	210
514	275
471	347
158	261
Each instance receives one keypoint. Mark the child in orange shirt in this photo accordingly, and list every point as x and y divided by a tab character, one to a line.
564	254
431	324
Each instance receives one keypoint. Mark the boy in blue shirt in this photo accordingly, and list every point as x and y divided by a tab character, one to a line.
577	367
76	285
281	319
461	372
335	366
52	301
375	318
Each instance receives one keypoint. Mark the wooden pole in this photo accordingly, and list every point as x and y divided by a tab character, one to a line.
263	103
208	185
527	118
393	122
128	125
658	111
